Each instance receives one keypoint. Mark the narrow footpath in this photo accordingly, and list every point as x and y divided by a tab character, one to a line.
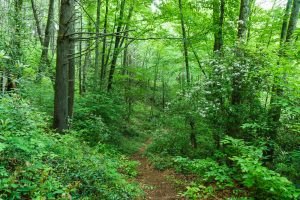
155	183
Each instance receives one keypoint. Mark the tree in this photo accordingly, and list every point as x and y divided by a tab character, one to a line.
287	32
64	65
116	46
44	61
243	20
97	52
285	21
185	43
118	40
104	45
218	20
37	21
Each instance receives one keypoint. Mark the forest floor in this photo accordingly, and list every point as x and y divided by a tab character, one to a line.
158	185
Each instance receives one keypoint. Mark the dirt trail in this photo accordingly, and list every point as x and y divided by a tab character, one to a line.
154	182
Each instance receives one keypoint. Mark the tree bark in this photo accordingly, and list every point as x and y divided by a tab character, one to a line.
17	40
44	61
117	46
80	59
243	20
71	88
218	18
185	44
97	52
252	6
61	106
285	21
104	45
293	20
37	21
193	133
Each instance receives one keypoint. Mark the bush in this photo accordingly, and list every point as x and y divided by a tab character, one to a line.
264	182
39	164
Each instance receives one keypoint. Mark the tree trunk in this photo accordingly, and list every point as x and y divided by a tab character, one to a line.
71	58
116	47
104	45
252	6
97	52
235	121
193	133
44	61
80	59
243	20
163	93
293	20
84	71
285	21
153	98
185	44
61	106
236	96
17	40
218	18
37	21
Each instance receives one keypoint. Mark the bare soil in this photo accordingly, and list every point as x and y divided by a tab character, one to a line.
156	184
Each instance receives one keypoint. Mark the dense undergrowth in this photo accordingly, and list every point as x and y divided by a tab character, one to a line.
236	172
37	163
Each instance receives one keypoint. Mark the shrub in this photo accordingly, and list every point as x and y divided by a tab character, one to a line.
36	164
264	182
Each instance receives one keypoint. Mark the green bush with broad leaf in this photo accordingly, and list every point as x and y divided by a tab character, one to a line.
39	164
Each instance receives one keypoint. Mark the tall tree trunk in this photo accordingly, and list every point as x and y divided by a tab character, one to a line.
236	96
252	5
153	98
187	70
243	20
293	20
285	21
44	61
218	18
97	52
37	21
117	46
163	93
185	44
193	132
80	58
71	58
64	40
17	23
104	45
235	121
84	71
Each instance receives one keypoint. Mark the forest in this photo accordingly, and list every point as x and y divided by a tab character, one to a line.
149	99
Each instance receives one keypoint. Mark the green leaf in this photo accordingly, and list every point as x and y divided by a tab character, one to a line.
2	146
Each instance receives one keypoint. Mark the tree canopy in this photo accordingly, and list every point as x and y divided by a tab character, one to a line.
149	99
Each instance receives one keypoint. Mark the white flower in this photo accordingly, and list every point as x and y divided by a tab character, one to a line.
240	22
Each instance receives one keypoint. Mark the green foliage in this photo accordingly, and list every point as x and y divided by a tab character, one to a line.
243	168
265	182
207	169
40	165
196	191
164	143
